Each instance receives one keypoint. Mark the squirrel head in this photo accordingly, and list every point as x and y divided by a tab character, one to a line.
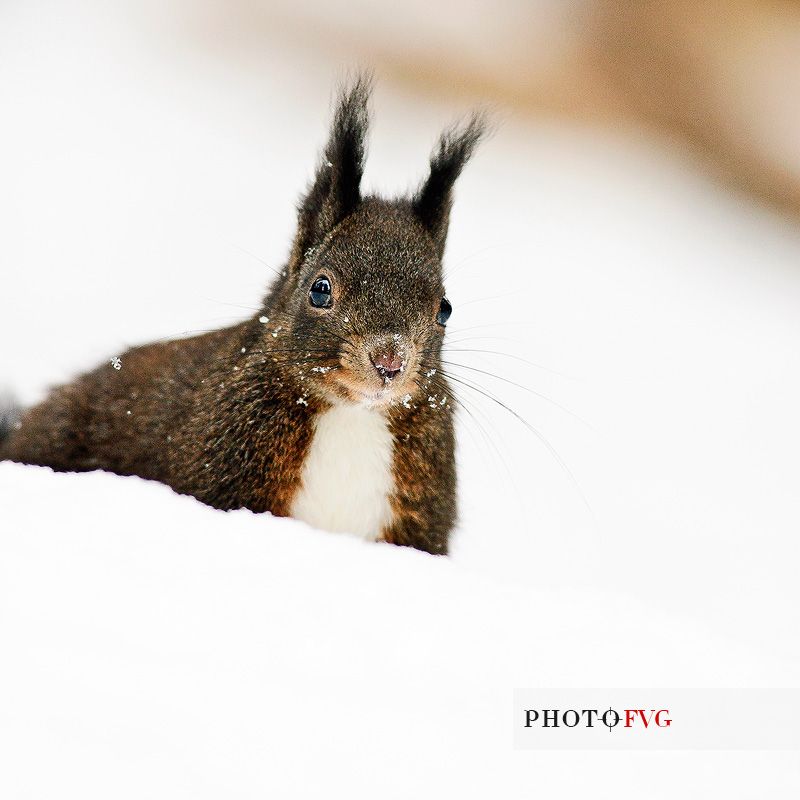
363	290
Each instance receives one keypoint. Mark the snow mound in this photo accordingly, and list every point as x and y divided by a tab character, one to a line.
157	647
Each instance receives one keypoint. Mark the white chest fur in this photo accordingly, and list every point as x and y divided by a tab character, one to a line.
347	474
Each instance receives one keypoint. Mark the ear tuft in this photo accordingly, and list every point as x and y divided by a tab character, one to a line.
345	151
336	189
435	197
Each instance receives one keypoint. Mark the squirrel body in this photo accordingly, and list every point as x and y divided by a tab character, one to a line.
328	404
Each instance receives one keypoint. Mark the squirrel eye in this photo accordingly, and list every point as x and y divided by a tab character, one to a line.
320	294
445	310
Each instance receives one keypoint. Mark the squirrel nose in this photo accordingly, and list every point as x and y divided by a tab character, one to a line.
388	364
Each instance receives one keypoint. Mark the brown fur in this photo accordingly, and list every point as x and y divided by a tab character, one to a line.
228	416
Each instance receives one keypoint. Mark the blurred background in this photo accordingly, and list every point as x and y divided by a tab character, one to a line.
718	78
623	259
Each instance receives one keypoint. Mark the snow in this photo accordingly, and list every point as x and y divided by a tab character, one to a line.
156	647
162	648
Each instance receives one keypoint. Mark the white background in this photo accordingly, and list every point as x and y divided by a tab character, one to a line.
154	647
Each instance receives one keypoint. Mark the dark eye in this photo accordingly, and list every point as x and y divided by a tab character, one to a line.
320	294
445	310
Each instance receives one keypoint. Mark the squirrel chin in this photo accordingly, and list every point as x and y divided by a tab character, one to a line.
380	399
377	400
347	394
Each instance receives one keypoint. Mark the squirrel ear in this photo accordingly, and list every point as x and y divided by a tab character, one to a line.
433	200
336	189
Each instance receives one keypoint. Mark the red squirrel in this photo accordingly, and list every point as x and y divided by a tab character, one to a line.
328	405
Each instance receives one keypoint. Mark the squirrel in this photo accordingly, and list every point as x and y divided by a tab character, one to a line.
328	405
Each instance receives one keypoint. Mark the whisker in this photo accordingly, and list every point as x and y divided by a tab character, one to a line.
520	386
487	299
537	433
451	270
261	261
507	355
232	305
461	402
